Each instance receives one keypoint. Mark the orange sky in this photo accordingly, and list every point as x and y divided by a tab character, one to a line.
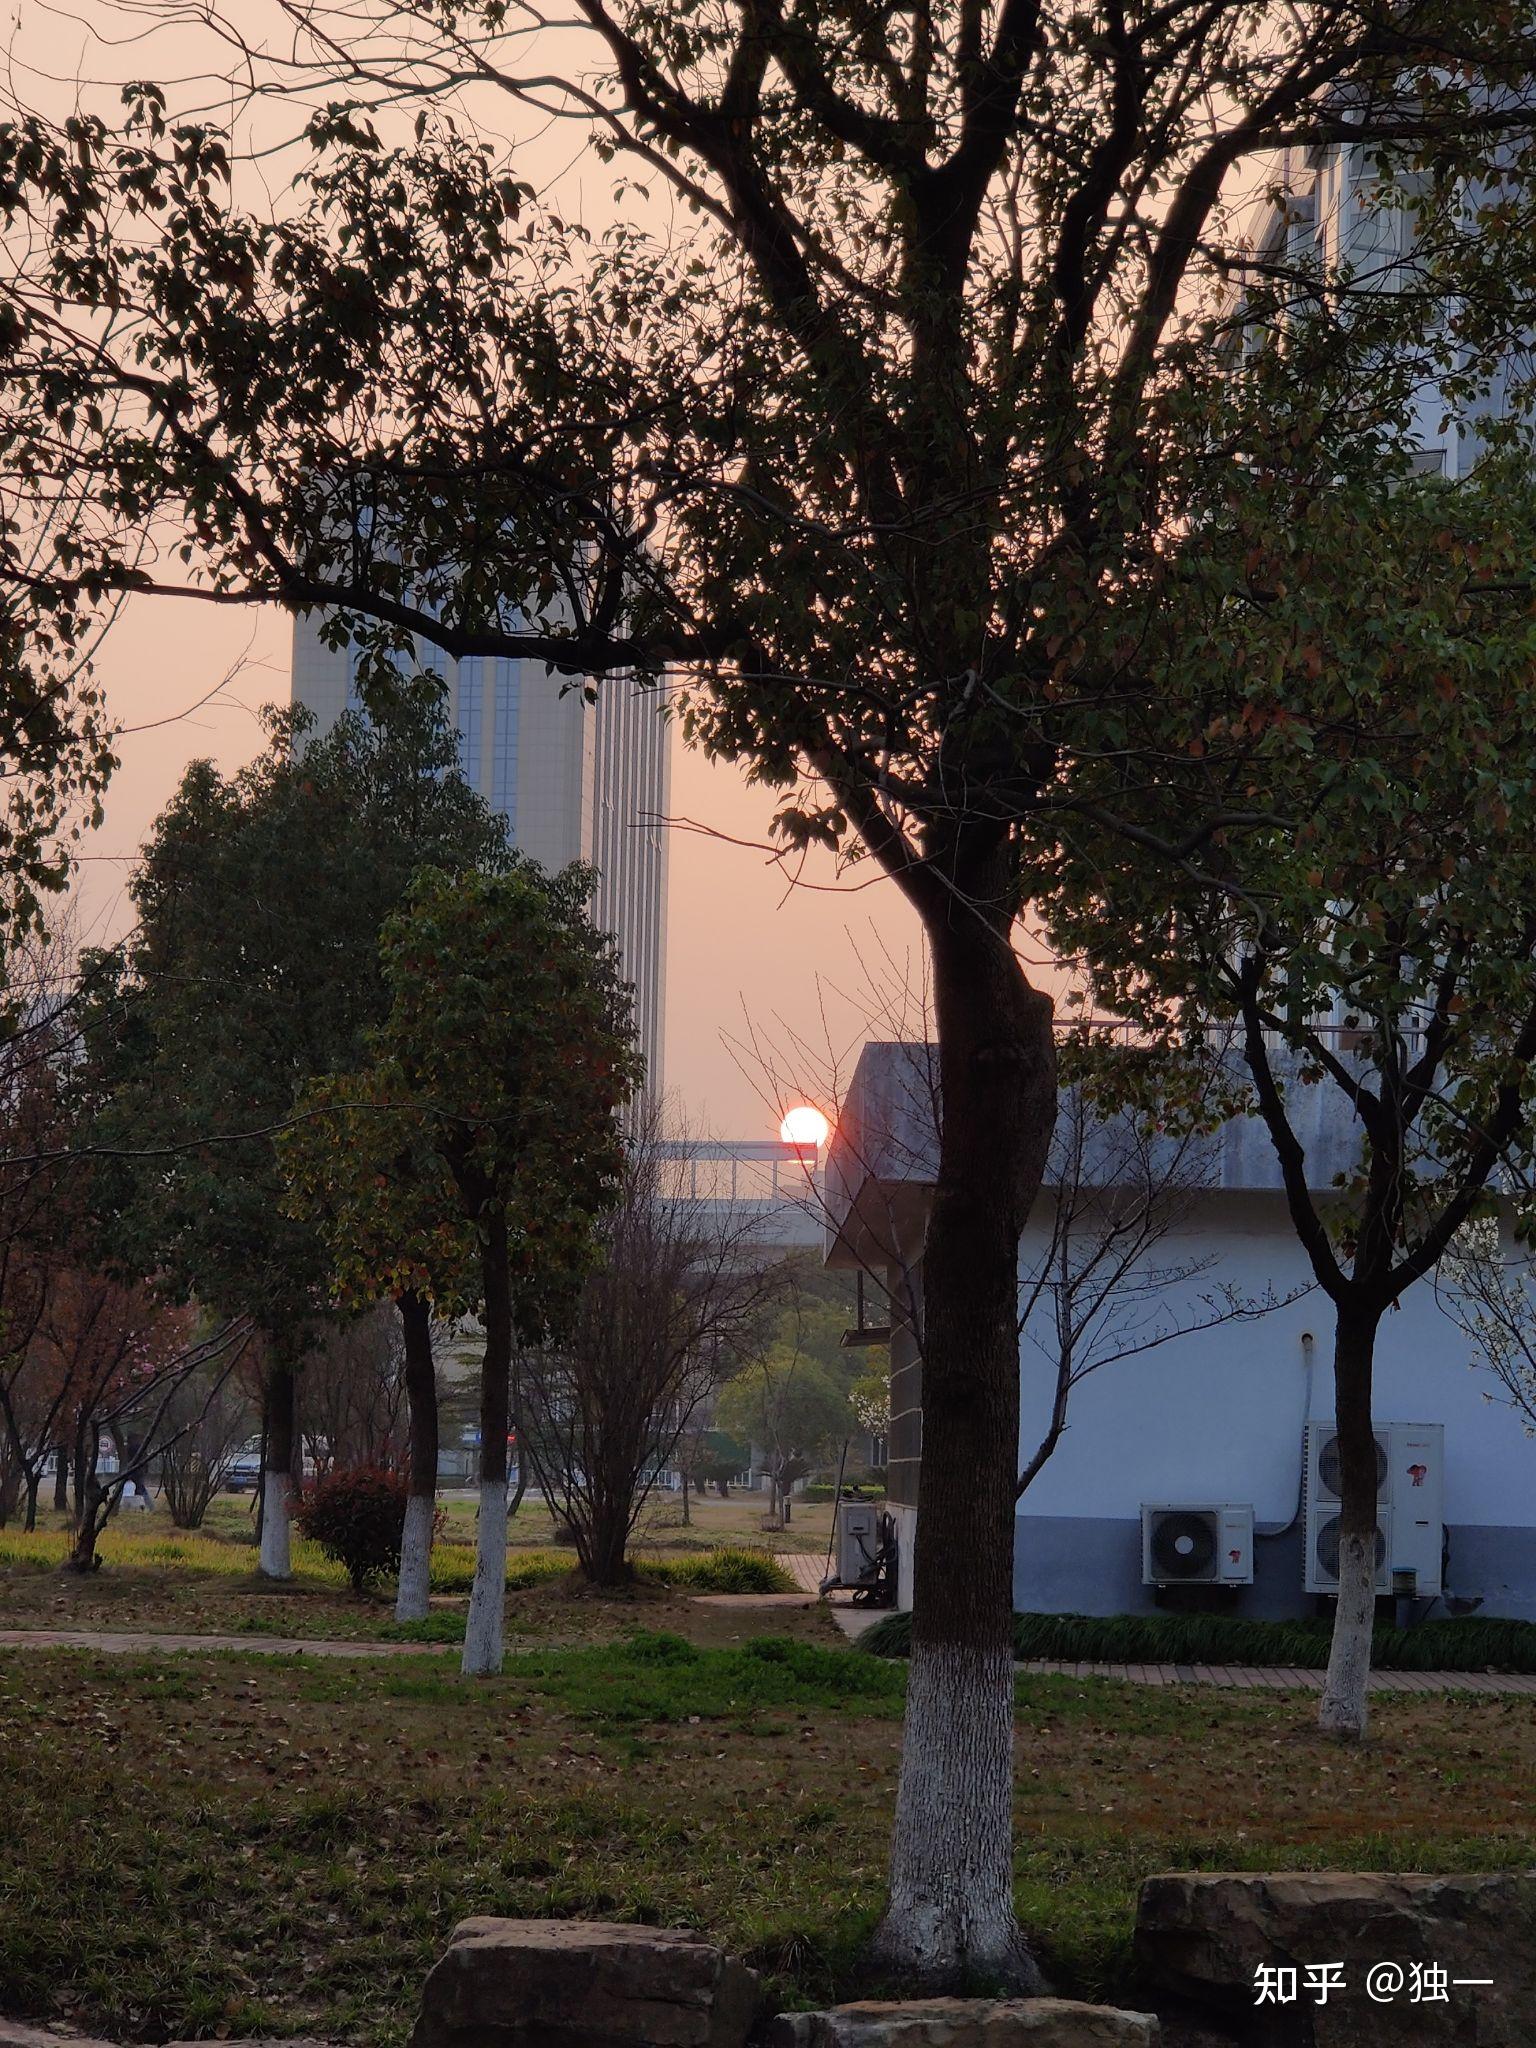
743	943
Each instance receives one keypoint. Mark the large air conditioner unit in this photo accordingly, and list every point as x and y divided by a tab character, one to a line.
1196	1545
1410	1498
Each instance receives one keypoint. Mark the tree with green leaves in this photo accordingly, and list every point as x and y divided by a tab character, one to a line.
788	1405
254	967
508	1043
793	1401
879	438
361	1168
1373	933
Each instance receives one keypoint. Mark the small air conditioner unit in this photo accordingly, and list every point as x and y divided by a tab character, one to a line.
859	1539
1199	1545
1410	1499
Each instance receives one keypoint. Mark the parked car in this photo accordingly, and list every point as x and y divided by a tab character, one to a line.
244	1474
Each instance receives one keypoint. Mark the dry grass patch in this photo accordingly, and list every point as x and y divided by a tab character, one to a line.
206	1583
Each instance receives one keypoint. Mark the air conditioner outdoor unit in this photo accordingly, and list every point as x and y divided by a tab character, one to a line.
1410	1478
1323	1549
1199	1545
858	1539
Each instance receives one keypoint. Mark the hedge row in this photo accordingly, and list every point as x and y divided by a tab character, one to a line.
1473	1644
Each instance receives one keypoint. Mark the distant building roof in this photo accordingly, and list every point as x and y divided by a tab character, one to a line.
883	1156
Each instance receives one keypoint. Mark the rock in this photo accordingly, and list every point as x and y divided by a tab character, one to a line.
16	2034
964	2023
584	1984
1204	1938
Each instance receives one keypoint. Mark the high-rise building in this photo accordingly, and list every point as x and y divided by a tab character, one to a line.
574	781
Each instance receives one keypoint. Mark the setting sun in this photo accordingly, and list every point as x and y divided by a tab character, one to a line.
804	1125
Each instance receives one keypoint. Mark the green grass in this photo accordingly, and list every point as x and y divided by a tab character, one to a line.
1472	1644
285	1847
197	1845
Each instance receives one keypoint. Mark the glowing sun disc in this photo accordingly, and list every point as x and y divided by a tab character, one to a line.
804	1125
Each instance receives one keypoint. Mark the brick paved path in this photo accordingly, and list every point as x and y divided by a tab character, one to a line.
805	1571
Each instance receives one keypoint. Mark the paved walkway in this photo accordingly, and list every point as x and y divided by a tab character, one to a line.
806	1570
139	1643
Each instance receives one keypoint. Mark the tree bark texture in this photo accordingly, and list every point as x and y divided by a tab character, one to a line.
950	1918
1344	1709
277	1475
90	1520
483	1629
413	1599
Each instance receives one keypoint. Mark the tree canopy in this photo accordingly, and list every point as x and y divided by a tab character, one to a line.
253	969
888	440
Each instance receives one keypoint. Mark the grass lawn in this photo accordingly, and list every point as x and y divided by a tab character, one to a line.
205	1582
207	1844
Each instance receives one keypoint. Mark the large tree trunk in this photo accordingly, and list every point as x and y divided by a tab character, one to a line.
950	1918
414	1598
90	1520
1345	1706
521	1487
61	1479
29	1522
483	1629
277	1474
607	1542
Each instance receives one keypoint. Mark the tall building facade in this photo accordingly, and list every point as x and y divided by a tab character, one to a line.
574	781
1326	207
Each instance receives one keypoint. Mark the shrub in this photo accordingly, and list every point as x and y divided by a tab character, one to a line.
358	1519
732	1568
1478	1644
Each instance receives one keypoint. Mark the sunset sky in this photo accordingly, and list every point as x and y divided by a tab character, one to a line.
743	939
808	962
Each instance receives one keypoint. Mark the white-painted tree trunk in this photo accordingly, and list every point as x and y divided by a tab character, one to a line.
482	1630
413	1600
951	1895
1345	1706
276	1550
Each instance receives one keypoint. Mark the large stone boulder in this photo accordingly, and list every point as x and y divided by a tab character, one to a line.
584	1984
964	2023
1205	1939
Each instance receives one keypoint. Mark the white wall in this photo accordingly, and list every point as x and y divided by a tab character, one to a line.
1218	1415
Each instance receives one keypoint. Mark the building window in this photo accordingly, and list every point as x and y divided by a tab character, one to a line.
504	762
471	718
